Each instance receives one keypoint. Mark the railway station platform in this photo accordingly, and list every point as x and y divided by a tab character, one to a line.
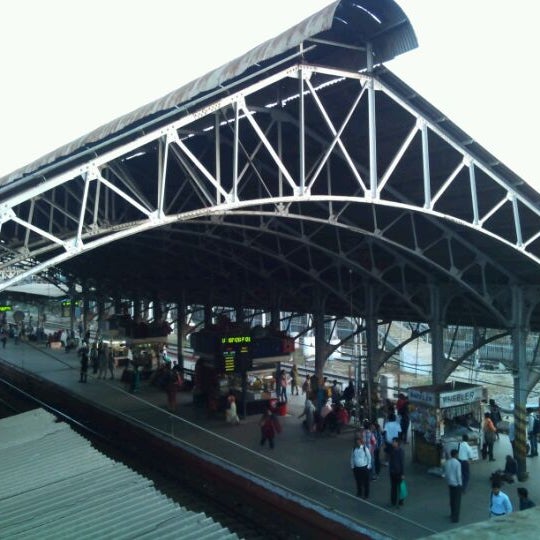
312	468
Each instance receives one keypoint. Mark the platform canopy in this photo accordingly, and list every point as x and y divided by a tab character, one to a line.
303	175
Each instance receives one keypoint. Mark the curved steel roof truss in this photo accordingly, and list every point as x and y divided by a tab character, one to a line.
336	260
300	144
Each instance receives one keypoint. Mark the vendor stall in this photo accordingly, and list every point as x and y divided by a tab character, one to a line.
440	415
243	363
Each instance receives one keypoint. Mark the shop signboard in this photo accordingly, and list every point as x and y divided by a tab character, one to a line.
460	397
425	397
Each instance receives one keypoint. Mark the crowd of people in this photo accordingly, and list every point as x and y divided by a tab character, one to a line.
328	408
99	357
366	462
457	468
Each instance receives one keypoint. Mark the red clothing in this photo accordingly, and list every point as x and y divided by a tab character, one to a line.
342	416
401	402
489	426
269	426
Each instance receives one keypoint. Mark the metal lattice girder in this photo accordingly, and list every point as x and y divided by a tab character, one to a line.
283	170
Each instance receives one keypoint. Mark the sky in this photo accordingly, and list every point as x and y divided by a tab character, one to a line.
68	67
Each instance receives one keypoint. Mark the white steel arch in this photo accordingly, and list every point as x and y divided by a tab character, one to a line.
76	211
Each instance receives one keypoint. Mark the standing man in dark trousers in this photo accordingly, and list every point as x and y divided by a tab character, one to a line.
452	473
361	465
396	468
83	352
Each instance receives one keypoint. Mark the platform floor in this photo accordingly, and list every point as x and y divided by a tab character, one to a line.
315	467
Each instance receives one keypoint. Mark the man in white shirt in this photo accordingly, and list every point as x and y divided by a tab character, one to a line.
465	454
392	429
361	465
452	473
499	503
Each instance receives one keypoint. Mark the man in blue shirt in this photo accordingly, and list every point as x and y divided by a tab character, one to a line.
452	472
499	503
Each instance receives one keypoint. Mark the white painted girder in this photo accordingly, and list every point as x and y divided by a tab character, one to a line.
83	238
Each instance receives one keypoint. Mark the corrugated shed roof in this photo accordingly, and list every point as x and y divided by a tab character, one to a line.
56	485
353	22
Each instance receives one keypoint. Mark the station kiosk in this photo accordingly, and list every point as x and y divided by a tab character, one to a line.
440	415
243	362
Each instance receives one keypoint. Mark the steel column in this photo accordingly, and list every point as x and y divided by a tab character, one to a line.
239	313
100	313
85	309
180	321
437	341
136	309
275	318
72	298
157	312
519	336
320	341
208	316
372	344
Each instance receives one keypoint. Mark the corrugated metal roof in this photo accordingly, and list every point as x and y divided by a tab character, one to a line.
353	22
56	485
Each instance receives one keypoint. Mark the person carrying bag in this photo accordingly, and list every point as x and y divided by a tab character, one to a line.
403	492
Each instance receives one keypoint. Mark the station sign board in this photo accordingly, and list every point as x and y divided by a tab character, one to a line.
235	351
460	397
442	398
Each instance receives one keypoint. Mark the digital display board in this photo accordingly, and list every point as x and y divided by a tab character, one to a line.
236	353
229	361
66	306
233	340
3	309
67	303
